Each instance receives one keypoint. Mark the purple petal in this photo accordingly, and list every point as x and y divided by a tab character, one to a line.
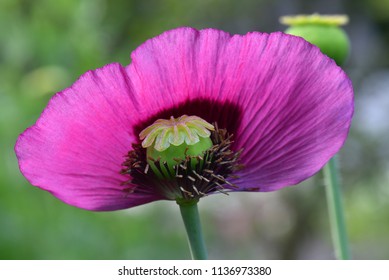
76	148
289	106
300	118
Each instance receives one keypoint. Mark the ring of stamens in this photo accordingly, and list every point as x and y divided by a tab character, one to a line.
209	174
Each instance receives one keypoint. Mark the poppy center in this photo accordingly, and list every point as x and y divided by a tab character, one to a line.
171	141
181	159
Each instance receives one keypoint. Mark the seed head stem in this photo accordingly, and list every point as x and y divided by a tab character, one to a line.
190	215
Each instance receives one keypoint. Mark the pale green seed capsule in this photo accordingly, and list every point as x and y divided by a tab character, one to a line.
322	31
172	140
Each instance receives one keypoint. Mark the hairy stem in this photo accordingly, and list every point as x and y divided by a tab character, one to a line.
190	215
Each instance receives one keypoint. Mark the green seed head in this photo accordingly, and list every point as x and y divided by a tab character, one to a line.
322	31
172	140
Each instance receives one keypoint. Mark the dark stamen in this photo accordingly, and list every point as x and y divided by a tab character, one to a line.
147	168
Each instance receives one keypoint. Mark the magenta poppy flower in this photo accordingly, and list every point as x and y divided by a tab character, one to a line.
275	108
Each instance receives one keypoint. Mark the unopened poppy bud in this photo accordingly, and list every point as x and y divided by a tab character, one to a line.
322	31
168	142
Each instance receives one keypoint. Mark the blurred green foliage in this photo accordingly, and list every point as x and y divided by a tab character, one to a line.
45	45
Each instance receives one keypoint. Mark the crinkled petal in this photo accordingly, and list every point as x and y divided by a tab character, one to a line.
76	148
292	104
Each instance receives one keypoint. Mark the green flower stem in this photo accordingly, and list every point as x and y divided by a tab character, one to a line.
190	215
335	209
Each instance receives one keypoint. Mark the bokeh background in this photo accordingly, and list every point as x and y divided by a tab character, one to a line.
45	45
